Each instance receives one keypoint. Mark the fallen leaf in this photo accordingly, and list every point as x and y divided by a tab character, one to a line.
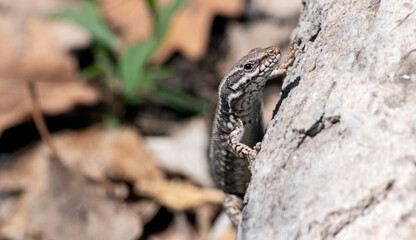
54	97
59	203
52	194
55	194
42	58
34	49
190	27
178	196
229	235
125	15
68	35
35	52
204	216
184	150
222	228
146	209
100	153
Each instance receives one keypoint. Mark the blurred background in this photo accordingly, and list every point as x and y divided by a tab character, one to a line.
106	109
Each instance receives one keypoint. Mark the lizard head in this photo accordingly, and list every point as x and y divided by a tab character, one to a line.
245	81
259	62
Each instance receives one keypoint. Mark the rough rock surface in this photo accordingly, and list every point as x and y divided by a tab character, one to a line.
338	160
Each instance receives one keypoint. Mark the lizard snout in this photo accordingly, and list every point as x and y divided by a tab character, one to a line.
273	51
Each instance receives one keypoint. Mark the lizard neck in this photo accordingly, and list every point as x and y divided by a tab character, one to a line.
242	107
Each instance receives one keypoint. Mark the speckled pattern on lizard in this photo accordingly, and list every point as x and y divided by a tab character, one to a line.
238	123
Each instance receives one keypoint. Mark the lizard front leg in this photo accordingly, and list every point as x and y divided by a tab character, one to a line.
289	60
240	149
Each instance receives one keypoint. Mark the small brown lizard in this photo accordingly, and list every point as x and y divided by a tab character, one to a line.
238	123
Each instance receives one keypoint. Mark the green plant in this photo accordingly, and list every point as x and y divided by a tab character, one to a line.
127	72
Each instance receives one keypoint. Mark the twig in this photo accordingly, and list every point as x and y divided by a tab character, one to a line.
40	121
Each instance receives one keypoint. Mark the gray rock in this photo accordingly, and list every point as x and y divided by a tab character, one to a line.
338	160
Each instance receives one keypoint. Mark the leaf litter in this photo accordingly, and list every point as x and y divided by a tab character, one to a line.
74	192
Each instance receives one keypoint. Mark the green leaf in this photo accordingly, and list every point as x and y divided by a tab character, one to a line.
147	84
103	59
87	15
159	73
132	66
111	121
180	101
92	71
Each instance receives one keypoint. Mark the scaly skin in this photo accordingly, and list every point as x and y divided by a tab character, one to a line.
238	123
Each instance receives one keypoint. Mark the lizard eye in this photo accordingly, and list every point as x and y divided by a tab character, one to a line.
248	66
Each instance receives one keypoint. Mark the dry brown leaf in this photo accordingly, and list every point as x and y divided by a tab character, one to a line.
59	203
183	151
229	235
189	30
36	55
55	195
191	27
50	188
178	196
222	228
204	216
68	35
146	209
168	234
54	97
131	18
101	153
33	49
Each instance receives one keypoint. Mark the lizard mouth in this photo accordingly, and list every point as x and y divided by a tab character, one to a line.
270	60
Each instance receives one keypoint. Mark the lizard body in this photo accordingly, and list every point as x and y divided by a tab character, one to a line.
238	123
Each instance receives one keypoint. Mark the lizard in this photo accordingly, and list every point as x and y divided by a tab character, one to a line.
238	123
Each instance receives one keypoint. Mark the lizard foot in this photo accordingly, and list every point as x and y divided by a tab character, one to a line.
283	68
257	147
